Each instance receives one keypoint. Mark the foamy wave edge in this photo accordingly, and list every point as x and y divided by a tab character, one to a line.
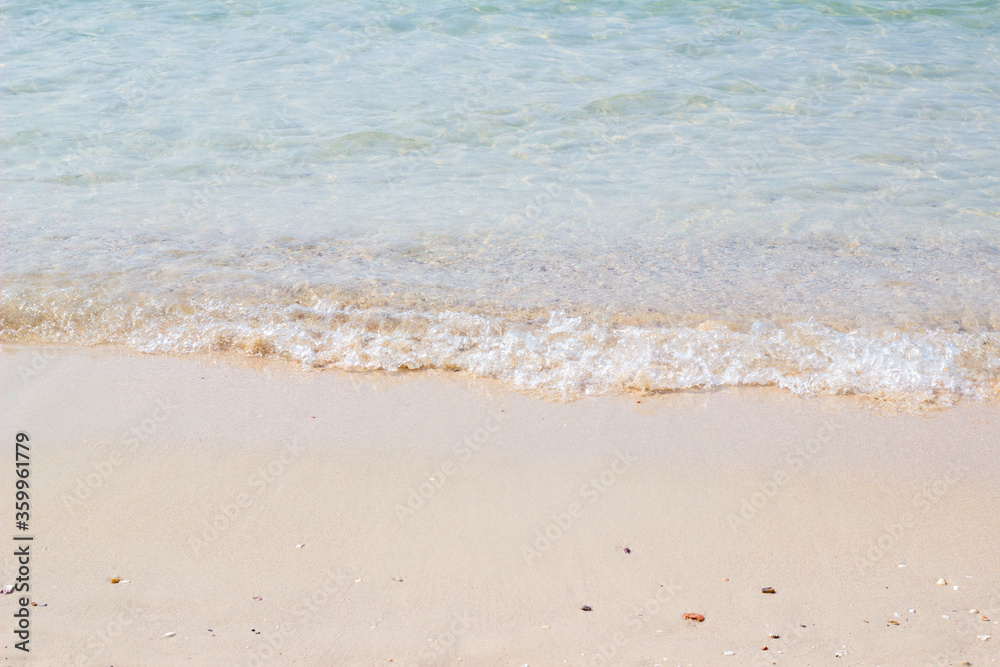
561	357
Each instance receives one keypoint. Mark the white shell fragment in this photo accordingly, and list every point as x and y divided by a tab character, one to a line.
169	634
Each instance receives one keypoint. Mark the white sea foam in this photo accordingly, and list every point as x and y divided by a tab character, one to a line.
559	356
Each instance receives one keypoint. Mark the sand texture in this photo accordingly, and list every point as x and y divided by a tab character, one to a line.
264	515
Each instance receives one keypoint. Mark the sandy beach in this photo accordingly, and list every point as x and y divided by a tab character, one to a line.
514	334
258	514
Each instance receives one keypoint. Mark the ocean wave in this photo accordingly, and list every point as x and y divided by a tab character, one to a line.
558	355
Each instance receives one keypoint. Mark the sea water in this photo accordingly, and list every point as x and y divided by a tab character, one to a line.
572	197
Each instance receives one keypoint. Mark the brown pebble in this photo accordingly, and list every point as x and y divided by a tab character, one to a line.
768	590
586	607
893	622
694	617
115	580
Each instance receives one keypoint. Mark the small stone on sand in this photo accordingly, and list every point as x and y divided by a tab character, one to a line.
115	580
586	607
169	634
768	590
694	617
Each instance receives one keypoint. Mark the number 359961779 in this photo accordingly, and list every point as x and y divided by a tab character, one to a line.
22	498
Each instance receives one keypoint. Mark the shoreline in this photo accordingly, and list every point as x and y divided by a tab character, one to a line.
443	517
918	403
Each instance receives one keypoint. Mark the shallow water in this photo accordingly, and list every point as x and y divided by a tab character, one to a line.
576	198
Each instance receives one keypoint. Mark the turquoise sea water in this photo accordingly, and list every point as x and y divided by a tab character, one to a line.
575	198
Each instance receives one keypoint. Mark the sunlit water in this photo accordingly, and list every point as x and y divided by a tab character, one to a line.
575	198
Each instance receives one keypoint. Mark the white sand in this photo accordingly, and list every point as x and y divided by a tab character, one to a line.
195	479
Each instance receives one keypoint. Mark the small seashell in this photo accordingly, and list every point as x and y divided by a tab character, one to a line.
765	649
586	607
258	598
985	618
973	611
942	582
7	590
893	622
115	580
170	634
983	637
773	636
694	617
626	550
299	546
729	653
768	590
